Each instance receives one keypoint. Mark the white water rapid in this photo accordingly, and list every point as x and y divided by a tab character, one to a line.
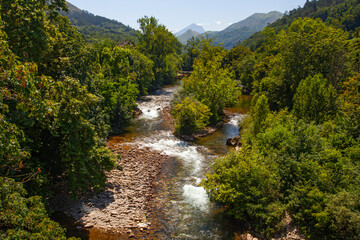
189	214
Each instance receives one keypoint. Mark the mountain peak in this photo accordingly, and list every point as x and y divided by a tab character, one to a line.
194	27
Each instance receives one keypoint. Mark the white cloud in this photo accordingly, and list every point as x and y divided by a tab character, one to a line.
218	22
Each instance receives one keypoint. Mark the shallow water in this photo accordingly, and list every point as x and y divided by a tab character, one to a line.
187	210
181	209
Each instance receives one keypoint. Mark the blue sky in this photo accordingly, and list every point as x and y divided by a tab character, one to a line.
176	15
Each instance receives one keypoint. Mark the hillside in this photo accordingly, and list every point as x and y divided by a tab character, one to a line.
242	30
183	38
94	28
344	14
193	27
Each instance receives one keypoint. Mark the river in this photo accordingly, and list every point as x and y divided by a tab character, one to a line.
186	211
179	208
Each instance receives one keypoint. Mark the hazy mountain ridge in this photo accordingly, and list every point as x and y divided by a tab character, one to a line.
242	30
94	28
193	27
183	38
343	14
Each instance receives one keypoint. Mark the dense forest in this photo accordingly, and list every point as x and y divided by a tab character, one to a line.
60	99
300	155
62	96
94	28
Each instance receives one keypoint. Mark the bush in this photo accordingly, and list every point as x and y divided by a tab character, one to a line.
24	218
315	99
248	189
190	116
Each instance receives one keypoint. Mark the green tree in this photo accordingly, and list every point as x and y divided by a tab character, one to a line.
191	52
22	217
190	116
157	42
38	33
248	189
308	47
212	85
315	99
58	132
259	113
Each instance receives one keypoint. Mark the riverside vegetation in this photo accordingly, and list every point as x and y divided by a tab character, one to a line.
60	97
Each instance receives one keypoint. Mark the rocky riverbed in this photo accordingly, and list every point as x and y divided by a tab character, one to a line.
123	206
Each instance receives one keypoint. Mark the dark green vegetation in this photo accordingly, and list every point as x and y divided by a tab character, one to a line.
344	14
61	96
183	38
22	217
59	99
301	142
238	32
207	91
94	28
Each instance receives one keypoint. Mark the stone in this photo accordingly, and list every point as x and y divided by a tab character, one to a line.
89	225
234	142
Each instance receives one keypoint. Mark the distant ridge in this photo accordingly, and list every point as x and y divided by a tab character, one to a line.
183	38
242	30
194	27
94	28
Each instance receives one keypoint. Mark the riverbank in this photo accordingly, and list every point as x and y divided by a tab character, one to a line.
123	207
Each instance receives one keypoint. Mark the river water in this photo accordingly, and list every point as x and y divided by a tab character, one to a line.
186	211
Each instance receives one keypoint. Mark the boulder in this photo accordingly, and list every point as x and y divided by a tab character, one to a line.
137	112
234	142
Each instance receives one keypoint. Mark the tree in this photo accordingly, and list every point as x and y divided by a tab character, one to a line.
248	189
157	42
315	99
24	218
38	33
190	116
54	118
308	47
259	114
242	61
191	52
212	85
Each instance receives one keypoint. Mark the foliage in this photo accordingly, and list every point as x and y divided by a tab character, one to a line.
259	113
190	116
22	217
308	47
310	173
54	120
315	99
157	43
242	61
191	51
248	189
122	73
38	33
95	28
211	85
342	14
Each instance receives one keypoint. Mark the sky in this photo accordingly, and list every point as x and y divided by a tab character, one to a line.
213	15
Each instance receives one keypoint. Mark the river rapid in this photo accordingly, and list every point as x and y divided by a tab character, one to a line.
182	209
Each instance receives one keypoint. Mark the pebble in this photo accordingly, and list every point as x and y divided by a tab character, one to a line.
126	195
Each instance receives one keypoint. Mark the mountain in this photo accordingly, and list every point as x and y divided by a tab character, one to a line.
94	28
242	30
194	27
343	14
183	38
